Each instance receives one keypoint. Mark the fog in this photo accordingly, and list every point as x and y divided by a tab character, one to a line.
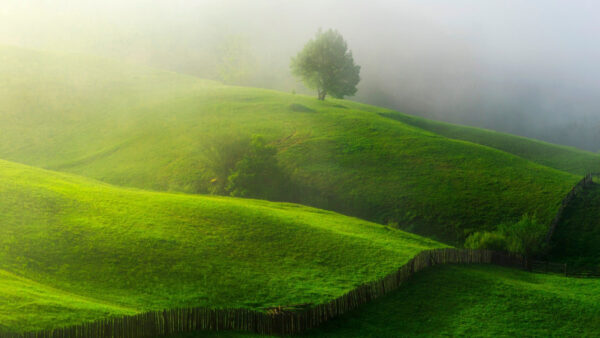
525	67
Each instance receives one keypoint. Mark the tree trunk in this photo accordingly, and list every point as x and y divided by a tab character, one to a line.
322	94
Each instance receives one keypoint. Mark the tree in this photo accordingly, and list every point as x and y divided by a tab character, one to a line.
235	60
327	65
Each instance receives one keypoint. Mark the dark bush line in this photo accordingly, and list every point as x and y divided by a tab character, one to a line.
158	323
587	180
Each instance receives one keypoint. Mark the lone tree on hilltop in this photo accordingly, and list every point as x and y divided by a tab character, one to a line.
327	65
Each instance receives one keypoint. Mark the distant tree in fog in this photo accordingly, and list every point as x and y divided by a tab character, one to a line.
235	60
326	64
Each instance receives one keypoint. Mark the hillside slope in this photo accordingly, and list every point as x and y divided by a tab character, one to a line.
139	127
472	301
576	239
569	159
25	303
106	251
478	301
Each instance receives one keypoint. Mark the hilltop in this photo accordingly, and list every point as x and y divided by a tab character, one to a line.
140	127
85	250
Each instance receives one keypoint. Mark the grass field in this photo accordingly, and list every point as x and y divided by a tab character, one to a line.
577	236
28	304
139	127
139	232
103	250
569	159
473	301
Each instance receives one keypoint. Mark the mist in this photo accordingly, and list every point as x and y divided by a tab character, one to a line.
524	67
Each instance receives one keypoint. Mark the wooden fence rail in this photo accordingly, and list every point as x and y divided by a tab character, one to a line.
282	322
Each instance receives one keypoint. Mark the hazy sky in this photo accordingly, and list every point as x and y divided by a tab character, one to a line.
528	67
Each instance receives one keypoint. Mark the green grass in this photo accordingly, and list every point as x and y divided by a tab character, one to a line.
139	127
27	304
481	301
73	249
569	159
576	239
103	250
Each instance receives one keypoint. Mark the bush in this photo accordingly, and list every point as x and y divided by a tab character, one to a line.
257	174
525	237
221	155
486	240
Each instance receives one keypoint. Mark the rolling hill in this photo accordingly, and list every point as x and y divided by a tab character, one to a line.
80	240
73	249
569	159
145	128
481	301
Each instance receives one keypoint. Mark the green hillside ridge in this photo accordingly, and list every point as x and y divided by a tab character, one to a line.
118	250
139	127
473	301
576	238
569	159
25	303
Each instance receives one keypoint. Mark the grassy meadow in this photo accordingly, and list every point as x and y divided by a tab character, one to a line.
139	127
123	250
477	300
108	175
568	159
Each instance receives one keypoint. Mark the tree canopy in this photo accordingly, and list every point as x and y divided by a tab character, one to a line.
327	65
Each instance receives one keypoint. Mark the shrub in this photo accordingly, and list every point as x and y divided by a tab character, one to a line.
486	240
221	155
525	237
257	174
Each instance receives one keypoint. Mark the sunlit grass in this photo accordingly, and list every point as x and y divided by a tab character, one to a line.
144	128
27	304
122	250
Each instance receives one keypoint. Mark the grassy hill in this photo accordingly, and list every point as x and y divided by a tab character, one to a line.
83	250
480	301
145	128
577	235
28	304
569	159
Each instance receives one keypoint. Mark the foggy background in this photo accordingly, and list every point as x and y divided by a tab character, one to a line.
524	67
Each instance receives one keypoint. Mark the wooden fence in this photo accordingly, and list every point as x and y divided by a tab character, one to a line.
564	269
548	267
279	322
